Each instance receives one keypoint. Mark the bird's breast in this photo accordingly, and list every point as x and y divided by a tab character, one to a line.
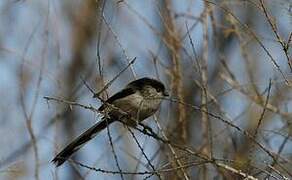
137	106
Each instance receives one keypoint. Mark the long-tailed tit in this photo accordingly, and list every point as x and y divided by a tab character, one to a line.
137	101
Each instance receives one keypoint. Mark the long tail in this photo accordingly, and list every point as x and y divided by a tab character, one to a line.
80	141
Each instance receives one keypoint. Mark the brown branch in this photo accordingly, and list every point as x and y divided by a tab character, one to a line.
274	28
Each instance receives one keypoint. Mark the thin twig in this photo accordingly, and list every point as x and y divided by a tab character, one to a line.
274	28
264	110
120	44
249	30
113	149
111	81
144	154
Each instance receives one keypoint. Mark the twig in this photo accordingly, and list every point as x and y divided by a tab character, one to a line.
144	154
120	44
249	30
264	110
171	149
244	132
113	150
274	28
110	82
71	103
28	117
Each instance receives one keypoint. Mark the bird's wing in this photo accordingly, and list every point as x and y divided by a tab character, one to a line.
125	92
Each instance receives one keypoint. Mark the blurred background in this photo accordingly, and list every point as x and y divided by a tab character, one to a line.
226	63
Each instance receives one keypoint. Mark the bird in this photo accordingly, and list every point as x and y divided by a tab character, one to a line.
137	101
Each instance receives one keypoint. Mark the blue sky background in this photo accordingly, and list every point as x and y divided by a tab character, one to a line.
32	31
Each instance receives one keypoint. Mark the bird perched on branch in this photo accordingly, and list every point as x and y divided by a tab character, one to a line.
137	101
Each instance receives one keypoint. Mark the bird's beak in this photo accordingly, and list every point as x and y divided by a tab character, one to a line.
165	93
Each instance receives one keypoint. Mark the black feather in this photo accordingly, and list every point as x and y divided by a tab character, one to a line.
140	83
79	142
119	95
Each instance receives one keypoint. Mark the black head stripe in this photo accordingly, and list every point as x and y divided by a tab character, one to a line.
139	83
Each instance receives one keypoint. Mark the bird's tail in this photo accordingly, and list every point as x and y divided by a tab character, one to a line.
80	141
